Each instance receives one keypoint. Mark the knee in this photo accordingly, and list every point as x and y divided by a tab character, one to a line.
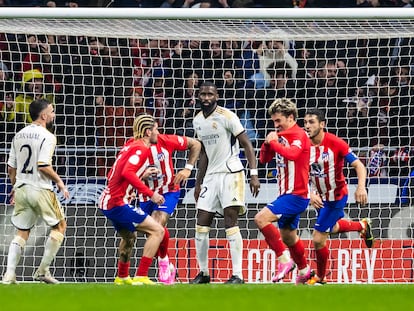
319	241
259	221
57	235
289	237
230	222
159	231
61	227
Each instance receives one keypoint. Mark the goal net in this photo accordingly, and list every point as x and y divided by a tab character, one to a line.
102	67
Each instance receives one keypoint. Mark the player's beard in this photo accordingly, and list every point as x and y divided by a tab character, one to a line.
208	109
315	134
49	126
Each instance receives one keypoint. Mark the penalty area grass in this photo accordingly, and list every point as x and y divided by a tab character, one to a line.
215	297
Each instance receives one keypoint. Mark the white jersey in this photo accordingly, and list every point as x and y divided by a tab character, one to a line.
218	134
32	146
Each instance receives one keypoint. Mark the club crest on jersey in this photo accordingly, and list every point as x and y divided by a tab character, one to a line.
325	156
214	125
161	156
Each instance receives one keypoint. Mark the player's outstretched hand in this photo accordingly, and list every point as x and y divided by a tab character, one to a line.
151	170
12	197
254	185
62	188
316	200
361	195
182	176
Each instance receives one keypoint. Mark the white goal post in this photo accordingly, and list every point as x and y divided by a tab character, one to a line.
105	65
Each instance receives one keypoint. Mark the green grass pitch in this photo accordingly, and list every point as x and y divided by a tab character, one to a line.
214	297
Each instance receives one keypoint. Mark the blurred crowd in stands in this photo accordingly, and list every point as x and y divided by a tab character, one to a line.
210	3
98	85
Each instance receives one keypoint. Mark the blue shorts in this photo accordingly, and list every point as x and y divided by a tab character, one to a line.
288	208
171	201
125	217
331	212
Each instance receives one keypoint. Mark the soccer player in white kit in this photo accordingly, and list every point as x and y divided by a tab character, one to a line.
31	174
220	182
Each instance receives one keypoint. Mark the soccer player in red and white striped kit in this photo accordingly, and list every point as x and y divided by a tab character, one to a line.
167	184
330	191
290	144
124	178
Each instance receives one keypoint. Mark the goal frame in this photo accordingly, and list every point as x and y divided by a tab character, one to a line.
80	22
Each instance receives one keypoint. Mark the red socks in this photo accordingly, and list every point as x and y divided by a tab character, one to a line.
144	265
123	269
322	256
297	252
272	237
346	225
163	249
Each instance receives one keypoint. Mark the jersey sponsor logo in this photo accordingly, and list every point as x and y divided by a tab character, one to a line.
280	160
317	170
210	139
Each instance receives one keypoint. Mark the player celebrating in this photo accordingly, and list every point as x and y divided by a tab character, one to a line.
327	156
221	174
125	175
31	174
291	145
167	184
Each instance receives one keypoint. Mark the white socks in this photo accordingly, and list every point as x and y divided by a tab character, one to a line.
52	246
15	252
202	245
236	249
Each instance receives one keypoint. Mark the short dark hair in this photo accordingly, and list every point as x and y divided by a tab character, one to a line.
320	115
37	106
208	84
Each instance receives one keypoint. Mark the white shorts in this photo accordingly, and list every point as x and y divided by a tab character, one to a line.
32	203
222	190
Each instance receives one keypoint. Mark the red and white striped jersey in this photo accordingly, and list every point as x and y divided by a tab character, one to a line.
161	156
123	178
292	160
326	167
